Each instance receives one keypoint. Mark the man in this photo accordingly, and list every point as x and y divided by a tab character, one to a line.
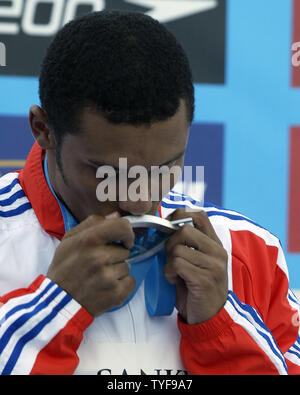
117	85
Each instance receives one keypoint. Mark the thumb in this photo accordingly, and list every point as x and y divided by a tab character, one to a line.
89	222
181	213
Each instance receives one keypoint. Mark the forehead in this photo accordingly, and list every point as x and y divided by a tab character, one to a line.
101	140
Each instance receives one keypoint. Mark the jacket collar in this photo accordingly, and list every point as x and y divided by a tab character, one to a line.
44	204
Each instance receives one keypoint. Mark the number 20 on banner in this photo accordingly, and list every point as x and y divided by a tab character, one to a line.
62	11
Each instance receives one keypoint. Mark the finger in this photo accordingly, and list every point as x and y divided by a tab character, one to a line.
126	286
178	269
109	255
191	237
120	290
179	214
202	223
109	276
121	270
200	220
115	214
108	231
89	222
216	266
170	271
194	257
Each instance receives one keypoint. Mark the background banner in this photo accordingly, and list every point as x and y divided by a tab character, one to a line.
247	124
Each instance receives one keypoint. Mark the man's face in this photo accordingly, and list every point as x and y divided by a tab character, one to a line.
100	143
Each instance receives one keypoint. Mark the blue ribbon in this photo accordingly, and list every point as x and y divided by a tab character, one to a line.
160	295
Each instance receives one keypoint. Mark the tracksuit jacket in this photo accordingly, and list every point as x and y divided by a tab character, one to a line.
43	330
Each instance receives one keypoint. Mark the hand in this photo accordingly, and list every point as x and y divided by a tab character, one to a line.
91	269
200	274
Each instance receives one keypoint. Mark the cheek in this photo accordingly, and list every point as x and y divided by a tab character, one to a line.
82	180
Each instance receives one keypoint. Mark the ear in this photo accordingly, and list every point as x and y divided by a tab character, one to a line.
40	128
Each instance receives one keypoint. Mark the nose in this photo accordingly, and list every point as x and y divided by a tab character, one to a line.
139	207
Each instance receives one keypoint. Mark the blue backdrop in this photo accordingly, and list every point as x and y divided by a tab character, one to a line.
244	123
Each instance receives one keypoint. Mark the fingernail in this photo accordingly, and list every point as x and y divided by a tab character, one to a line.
115	214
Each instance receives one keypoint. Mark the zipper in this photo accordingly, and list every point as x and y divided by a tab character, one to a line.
133	323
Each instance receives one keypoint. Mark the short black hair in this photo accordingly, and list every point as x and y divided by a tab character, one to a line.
126	65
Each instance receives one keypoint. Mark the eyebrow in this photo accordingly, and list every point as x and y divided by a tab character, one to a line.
99	164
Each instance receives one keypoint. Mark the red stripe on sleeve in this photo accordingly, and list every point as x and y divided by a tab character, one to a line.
260	282
59	357
23	291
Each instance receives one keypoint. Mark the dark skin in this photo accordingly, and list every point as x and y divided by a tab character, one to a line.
86	264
